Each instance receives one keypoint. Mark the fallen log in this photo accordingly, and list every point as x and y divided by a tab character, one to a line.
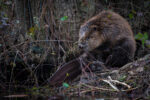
66	72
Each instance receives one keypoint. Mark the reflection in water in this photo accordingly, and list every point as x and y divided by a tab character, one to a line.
28	96
56	98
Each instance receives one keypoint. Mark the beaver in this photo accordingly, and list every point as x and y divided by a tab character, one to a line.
109	35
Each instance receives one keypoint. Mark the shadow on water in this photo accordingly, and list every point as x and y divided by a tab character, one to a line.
21	93
21	96
57	98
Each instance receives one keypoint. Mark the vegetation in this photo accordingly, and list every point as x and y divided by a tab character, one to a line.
37	36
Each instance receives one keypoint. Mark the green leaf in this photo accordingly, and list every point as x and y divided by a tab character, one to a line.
145	36
13	64
64	18
32	32
142	38
34	88
67	74
5	15
53	53
143	42
66	85
109	16
131	16
139	36
32	29
122	78
133	11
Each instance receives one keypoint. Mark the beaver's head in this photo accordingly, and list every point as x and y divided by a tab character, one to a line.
89	37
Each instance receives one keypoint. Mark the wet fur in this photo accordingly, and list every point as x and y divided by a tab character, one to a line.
109	35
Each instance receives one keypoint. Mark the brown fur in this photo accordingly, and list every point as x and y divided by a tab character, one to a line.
108	31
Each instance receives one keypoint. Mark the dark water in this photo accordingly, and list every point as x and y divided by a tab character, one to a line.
58	98
4	95
33	97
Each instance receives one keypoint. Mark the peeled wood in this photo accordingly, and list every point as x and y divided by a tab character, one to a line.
66	72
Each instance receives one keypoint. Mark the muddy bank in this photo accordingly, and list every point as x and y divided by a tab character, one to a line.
131	80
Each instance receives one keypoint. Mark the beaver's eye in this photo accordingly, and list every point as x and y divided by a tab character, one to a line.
94	28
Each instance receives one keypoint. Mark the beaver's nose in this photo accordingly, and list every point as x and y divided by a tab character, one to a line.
82	45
